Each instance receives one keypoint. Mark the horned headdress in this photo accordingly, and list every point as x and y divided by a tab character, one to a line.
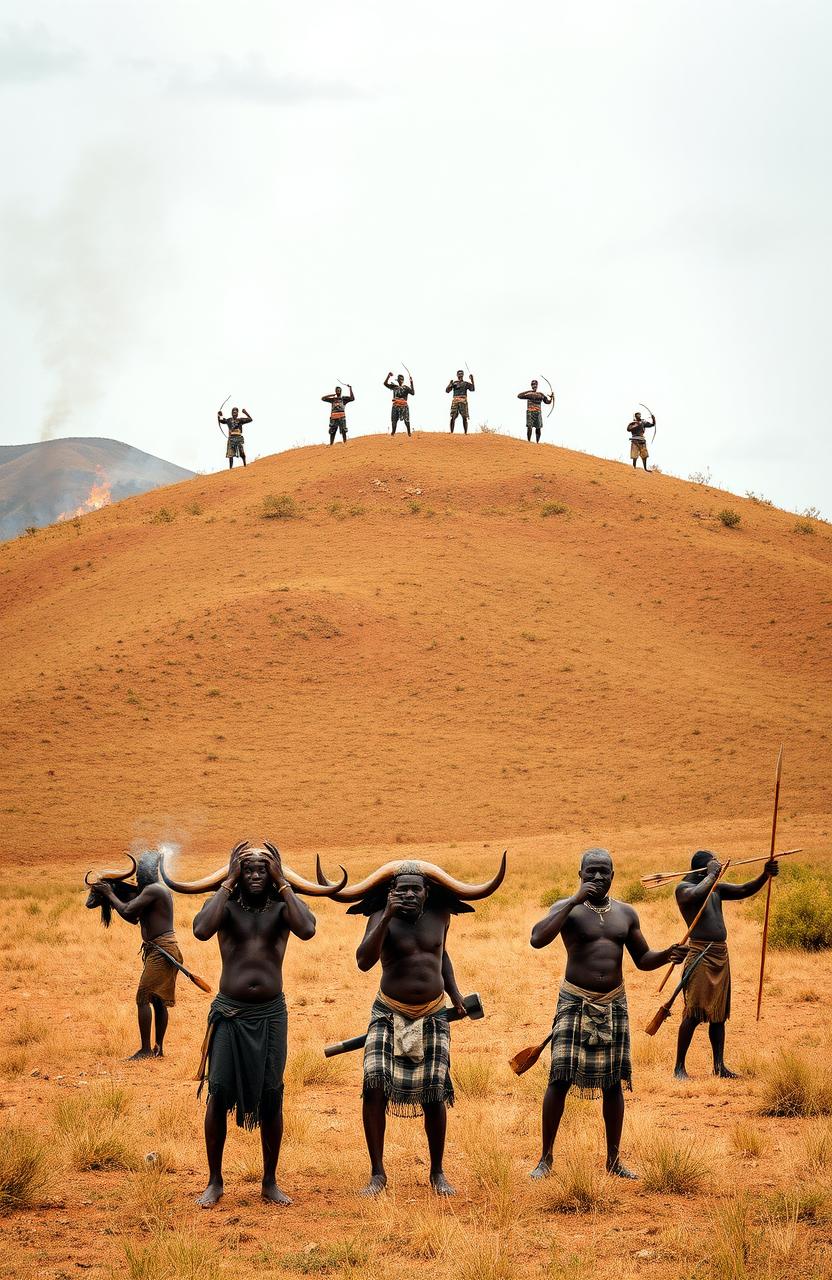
370	894
208	884
122	889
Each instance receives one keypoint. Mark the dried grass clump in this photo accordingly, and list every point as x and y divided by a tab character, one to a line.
279	507
23	1168
578	1183
473	1076
310	1067
817	1145
95	1130
431	1233
340	1258
553	509
746	1242
488	1256
747	1140
794	1086
729	518
672	1166
172	1255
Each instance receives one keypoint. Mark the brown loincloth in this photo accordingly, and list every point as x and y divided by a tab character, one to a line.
708	994
158	975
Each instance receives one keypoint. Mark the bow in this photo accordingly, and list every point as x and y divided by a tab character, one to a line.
219	415
407	371
552	391
652	415
777	775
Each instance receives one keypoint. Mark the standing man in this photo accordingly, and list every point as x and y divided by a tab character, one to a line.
252	912
236	447
534	399
152	908
638	442
337	415
407	1051
591	1030
459	404
400	411
708	994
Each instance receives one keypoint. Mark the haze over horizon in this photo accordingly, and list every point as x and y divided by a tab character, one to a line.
629	200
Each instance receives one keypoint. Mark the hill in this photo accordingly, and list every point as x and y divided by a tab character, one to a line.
421	654
50	480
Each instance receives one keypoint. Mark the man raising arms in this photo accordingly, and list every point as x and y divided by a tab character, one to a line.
708	993
400	411
591	1032
337	413
459	404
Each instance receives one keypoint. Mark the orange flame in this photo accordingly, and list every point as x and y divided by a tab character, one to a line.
98	496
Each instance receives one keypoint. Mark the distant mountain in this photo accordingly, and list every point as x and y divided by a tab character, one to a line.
41	483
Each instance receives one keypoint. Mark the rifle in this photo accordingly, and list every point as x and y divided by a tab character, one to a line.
695	921
194	977
663	1012
473	1010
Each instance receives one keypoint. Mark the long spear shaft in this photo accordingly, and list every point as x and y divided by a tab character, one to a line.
695	921
660	877
777	776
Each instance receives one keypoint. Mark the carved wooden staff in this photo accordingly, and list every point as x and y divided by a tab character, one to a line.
777	775
695	921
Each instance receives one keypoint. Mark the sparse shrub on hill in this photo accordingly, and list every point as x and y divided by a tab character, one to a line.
553	895
194	509
633	891
729	518
804	527
163	516
672	1166
700	477
758	498
30	530
22	1168
553	509
802	920
488	430
282	507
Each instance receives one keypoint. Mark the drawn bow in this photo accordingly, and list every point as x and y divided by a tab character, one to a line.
552	393
652	415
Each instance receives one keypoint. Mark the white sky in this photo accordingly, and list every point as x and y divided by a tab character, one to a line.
260	197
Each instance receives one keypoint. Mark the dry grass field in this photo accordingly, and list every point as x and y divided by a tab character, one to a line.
422	658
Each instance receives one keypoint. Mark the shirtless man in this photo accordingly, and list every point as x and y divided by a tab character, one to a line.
591	1033
459	404
152	908
400	410
534	418
708	993
252	913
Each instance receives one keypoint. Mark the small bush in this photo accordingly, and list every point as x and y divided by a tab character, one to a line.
758	498
282	507
803	919
22	1168
729	518
553	509
672	1166
804	527
556	894
163	516
747	1140
700	477
30	530
794	1086
193	509
172	1255
634	891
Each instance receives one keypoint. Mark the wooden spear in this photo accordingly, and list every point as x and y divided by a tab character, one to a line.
777	775
695	920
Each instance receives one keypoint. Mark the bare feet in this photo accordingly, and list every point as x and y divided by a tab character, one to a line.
211	1195
725	1073
375	1186
618	1170
441	1185
158	1052
140	1053
271	1191
681	1074
543	1169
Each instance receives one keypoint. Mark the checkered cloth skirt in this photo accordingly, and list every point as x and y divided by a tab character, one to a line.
408	1086
591	1044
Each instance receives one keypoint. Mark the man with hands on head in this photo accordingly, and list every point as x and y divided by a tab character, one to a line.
708	993
591	1033
252	913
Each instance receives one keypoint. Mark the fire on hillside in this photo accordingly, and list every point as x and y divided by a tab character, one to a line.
99	496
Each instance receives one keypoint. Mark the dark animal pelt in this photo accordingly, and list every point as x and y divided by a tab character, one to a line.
124	893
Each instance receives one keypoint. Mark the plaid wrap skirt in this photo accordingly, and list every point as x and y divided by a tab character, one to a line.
591	1044
408	1085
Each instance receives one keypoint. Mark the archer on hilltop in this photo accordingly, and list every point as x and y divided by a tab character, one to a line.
638	442
337	412
534	399
460	385
236	447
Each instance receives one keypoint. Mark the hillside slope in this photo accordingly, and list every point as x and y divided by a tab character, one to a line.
41	482
402	666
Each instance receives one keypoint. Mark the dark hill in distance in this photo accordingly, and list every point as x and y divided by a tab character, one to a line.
40	483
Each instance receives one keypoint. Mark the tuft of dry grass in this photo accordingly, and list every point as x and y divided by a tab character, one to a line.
794	1086
308	1066
95	1130
28	1032
172	1255
23	1168
672	1166
578	1183
473	1075
817	1145
341	1258
747	1140
279	507
487	1256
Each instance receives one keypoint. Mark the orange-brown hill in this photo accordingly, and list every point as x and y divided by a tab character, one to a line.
423	655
